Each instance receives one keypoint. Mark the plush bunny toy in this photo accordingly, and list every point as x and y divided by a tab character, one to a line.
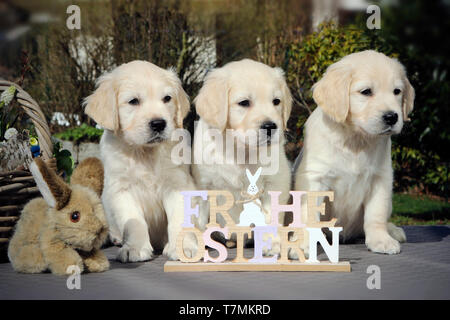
64	228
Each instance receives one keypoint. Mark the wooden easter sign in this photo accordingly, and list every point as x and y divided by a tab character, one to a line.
252	220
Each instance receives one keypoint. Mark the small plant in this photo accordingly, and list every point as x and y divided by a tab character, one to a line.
64	160
83	133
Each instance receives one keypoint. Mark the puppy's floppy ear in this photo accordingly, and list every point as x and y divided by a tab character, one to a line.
102	104
182	99
54	190
332	92
183	106
408	99
286	100
212	101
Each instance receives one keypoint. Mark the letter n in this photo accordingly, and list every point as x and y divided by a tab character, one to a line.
316	236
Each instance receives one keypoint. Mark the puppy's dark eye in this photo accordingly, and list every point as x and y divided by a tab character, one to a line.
397	91
244	103
134	101
167	99
366	92
75	216
276	101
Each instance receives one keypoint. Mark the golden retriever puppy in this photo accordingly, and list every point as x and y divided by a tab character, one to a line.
139	105
362	100
241	98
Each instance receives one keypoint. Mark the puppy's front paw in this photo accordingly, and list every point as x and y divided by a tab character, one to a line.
274	249
382	243
293	254
304	247
190	248
396	232
171	252
130	254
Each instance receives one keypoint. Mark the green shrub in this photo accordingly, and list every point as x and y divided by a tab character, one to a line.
415	169
413	27
416	29
83	133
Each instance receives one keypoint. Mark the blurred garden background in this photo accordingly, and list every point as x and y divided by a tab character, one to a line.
58	66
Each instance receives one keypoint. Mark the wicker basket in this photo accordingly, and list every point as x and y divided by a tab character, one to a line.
18	187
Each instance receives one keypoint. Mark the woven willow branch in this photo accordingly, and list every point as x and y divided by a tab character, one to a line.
32	109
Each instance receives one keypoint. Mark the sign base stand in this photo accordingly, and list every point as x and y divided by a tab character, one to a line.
178	266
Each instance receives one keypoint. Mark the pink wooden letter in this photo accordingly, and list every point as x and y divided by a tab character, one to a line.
223	254
295	208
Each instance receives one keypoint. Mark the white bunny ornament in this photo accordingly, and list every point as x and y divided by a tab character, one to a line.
252	213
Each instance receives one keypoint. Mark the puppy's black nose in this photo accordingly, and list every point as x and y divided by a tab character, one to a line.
158	125
390	118
269	125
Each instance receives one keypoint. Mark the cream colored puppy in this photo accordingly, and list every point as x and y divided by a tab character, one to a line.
243	96
363	99
139	105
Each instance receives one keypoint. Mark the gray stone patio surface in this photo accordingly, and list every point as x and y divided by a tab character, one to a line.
420	271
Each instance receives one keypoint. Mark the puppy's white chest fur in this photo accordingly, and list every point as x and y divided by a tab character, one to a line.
135	172
129	167
347	167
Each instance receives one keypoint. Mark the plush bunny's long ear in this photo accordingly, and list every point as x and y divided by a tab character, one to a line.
54	190
89	173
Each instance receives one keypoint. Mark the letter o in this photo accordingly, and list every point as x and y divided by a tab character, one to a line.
200	245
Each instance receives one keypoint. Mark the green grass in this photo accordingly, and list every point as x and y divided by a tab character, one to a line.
419	210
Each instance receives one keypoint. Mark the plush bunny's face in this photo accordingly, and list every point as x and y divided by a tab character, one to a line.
75	213
81	224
